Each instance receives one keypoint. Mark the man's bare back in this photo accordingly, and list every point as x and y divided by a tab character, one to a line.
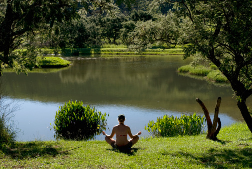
121	131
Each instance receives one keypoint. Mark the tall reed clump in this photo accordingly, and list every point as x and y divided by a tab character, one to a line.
7	130
168	126
78	122
7	135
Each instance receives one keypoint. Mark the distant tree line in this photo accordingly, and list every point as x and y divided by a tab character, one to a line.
96	30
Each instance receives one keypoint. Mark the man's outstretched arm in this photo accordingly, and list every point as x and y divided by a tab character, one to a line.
133	136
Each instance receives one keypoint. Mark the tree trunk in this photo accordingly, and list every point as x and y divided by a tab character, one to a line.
212	131
245	113
206	113
6	33
216	112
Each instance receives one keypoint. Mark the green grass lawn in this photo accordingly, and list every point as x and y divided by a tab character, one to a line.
233	150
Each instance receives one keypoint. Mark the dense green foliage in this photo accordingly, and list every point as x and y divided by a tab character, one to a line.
141	15
168	126
81	33
75	121
23	23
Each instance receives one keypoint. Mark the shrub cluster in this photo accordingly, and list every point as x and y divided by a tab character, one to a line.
168	126
75	121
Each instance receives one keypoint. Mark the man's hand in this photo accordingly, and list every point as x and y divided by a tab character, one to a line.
103	132
139	133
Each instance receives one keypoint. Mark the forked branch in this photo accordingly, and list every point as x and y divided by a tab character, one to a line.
212	131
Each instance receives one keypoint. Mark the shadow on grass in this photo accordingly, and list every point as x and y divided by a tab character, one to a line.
222	141
31	150
129	152
248	139
220	158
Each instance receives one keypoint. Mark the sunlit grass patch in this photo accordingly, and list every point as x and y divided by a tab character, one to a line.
210	73
52	62
197	70
185	68
200	70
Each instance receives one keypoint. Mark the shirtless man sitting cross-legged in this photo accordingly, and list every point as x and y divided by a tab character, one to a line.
121	132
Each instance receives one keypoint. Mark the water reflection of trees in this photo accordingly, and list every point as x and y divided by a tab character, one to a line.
102	69
140	74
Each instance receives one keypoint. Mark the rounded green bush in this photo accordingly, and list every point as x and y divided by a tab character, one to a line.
78	122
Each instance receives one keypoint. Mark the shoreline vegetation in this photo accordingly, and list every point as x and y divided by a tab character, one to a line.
210	73
53	60
111	50
232	150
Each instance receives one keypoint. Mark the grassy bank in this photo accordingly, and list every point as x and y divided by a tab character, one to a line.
210	73
234	150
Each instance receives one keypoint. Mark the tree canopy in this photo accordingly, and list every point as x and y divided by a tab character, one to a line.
221	32
20	21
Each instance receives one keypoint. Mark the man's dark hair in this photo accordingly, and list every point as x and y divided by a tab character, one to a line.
121	117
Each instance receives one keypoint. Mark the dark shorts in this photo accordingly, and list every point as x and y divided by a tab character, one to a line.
126	147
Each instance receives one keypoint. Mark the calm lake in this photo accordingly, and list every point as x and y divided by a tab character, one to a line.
143	88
